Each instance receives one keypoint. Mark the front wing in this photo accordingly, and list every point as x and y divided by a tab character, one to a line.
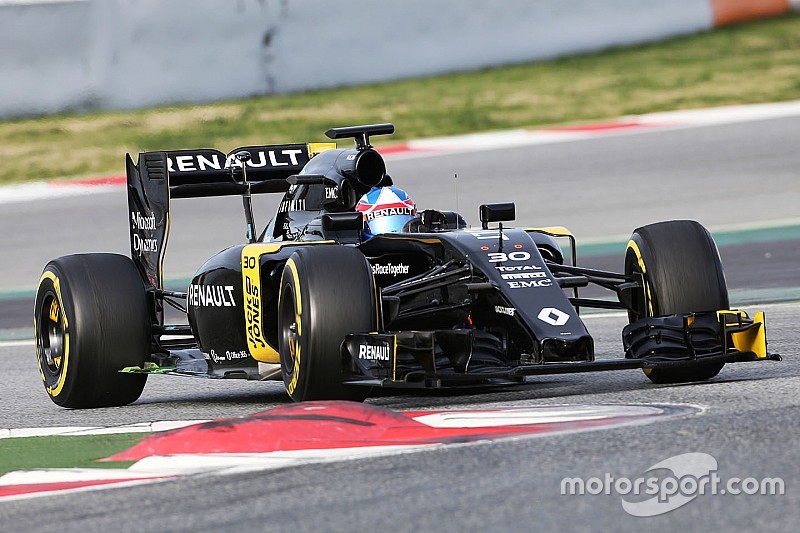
451	358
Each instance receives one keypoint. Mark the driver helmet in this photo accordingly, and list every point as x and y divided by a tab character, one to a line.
385	210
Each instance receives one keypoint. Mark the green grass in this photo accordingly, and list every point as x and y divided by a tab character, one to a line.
64	452
750	63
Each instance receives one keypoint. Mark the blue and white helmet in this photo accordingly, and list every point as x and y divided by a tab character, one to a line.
385	210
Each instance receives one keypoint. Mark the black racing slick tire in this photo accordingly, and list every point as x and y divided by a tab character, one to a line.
682	273
326	292
91	320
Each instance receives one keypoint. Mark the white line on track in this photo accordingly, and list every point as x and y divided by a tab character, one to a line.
10	344
74	431
42	190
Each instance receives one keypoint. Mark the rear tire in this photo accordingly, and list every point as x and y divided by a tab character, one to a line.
90	321
682	274
326	293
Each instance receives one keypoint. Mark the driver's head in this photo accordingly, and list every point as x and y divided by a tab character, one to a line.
385	210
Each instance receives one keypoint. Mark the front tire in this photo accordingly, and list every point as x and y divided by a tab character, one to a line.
90	321
326	292
682	273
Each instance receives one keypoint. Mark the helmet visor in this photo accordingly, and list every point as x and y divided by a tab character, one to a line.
387	224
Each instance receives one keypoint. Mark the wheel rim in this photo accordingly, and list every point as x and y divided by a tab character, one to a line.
50	335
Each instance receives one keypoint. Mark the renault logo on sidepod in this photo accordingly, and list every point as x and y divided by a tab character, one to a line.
553	316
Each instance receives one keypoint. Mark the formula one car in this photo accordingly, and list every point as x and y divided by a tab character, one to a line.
332	311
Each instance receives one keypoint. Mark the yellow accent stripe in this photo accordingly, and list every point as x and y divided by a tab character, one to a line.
318	148
38	346
257	344
290	264
253	311
555	231
409	238
59	386
635	247
298	309
734	312
754	339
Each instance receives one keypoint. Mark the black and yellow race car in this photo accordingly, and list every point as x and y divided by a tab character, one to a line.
332	312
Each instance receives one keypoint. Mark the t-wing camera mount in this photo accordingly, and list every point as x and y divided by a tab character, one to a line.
360	133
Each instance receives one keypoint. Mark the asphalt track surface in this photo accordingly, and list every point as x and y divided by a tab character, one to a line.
736	174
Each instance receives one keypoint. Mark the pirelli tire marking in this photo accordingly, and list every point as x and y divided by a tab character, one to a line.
649	296
294	340
62	365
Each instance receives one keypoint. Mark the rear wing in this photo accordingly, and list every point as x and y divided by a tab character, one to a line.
158	177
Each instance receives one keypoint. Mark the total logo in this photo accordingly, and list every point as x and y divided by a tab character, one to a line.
553	316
